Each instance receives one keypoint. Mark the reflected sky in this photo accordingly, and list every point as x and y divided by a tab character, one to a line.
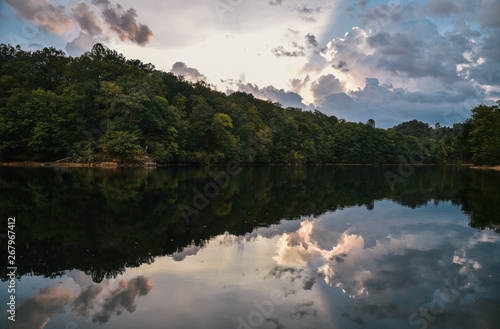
388	267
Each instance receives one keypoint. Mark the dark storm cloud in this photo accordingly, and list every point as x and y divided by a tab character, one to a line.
124	24
409	55
189	73
486	74
489	13
86	19
490	48
43	14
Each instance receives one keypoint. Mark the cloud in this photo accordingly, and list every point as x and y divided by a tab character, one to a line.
440	7
84	42
89	296
285	98
108	21
187	251
122	298
101	2
379	271
489	13
36	311
124	24
325	86
382	16
389	105
296	85
310	47
342	65
311	41
392	67
280	51
189	73
43	14
360	4
411	56
275	2
86	19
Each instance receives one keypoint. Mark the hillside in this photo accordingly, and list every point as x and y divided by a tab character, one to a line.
101	106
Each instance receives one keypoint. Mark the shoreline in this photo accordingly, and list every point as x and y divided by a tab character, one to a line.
496	168
110	164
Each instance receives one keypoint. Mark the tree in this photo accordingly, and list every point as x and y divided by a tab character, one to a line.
482	134
123	143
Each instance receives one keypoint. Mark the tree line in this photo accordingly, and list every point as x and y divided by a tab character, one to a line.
101	106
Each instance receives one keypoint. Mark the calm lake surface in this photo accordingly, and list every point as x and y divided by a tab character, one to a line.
260	247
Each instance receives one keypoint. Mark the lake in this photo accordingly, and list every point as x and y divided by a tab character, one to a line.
252	247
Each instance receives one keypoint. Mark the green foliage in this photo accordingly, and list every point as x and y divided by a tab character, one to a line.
100	104
481	135
125	143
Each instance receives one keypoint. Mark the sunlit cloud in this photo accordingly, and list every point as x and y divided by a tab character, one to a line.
43	14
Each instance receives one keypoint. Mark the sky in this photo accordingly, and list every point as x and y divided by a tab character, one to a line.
391	61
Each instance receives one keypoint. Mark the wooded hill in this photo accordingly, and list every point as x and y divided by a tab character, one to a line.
102	106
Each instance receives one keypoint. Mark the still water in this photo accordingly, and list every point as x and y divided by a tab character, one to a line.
270	247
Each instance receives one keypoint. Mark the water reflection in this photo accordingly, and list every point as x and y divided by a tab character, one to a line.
101	301
277	248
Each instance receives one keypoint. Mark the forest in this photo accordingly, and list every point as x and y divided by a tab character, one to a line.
101	106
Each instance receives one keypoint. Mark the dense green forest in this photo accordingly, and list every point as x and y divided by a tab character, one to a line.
101	106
